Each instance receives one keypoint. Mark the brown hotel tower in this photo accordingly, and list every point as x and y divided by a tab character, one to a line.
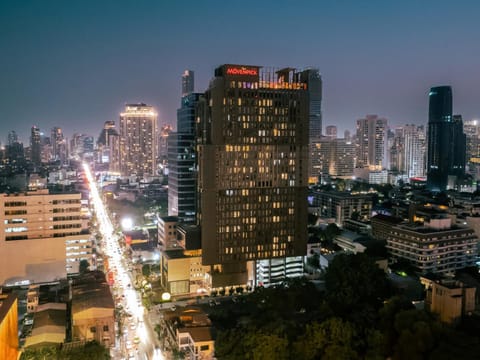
252	139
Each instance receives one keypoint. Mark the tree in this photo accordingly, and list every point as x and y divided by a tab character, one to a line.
331	231
268	347
146	271
356	287
84	266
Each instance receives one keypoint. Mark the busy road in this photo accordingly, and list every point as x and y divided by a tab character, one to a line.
137	340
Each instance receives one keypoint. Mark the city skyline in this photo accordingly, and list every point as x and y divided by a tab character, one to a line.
76	65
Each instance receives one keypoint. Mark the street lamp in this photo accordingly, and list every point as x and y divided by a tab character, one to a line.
127	224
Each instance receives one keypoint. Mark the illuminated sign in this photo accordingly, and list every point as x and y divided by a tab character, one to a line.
242	71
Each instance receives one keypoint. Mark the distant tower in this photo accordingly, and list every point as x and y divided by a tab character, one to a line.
472	132
331	131
59	145
188	82
107	147
35	146
346	135
12	137
138	142
446	140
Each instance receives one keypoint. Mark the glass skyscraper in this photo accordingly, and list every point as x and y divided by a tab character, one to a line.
446	140
182	187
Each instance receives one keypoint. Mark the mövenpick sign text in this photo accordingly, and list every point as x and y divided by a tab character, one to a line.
242	71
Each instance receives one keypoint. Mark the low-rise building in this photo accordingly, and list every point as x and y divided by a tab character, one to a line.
49	325
189	329
342	205
450	299
347	240
436	246
182	272
93	316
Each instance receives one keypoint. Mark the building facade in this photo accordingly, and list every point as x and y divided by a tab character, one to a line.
138	140
47	230
252	146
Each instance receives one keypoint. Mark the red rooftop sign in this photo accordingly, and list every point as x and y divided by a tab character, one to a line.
242	71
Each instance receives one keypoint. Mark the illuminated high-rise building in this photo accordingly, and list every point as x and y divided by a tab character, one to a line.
446	140
472	133
415	150
252	146
343	158
372	142
138	140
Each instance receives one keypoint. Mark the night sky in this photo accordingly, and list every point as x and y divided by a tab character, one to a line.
74	64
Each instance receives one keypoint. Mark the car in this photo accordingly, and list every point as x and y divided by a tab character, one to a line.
136	340
128	344
133	326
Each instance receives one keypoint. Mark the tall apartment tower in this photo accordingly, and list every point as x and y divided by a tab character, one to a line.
182	186
188	82
372	142
343	158
446	140
138	140
396	145
252	146
415	150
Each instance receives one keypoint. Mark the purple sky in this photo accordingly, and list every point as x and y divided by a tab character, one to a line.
74	64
